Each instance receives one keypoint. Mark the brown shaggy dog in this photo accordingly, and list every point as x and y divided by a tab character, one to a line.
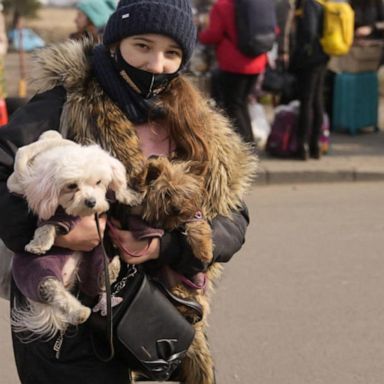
173	197
174	192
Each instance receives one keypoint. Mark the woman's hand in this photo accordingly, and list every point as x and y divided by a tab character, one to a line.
363	31
134	251
83	237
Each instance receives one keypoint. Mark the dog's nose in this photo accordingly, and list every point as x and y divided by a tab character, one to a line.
90	203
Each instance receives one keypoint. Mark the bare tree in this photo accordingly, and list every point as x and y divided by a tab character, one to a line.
24	8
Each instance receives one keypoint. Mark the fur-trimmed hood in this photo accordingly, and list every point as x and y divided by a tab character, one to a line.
89	115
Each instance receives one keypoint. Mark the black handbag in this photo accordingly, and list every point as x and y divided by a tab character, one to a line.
279	81
145	329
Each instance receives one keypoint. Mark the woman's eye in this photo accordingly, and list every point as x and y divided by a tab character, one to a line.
142	46
98	183
174	53
72	186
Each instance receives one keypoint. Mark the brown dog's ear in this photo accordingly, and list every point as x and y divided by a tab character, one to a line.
153	172
197	168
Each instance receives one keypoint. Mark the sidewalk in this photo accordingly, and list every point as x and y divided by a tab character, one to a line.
351	158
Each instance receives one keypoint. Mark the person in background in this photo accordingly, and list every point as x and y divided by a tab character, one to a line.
91	18
284	15
237	73
369	29
369	18
309	62
3	52
130	96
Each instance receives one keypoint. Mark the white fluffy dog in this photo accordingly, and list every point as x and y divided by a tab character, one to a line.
53	173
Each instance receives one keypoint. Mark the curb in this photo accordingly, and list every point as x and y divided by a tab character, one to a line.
266	177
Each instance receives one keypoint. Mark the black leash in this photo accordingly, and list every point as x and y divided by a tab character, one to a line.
109	322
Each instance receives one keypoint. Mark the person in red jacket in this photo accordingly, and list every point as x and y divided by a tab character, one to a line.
237	73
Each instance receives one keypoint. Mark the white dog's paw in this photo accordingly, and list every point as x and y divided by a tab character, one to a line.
114	269
129	197
43	239
36	248
102	304
79	315
50	135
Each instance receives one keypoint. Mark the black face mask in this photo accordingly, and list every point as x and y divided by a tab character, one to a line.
149	84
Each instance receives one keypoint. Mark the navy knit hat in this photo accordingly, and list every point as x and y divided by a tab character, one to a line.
172	18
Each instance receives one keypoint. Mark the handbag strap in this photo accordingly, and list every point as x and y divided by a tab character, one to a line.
109	322
176	300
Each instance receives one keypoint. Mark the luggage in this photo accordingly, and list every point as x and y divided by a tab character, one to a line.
282	139
355	101
255	25
362	57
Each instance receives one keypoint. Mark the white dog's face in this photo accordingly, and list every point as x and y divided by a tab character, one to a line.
77	178
85	196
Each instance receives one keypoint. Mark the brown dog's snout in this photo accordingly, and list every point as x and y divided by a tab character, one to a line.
90	202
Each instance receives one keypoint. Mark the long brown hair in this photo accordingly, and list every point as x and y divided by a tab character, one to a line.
185	111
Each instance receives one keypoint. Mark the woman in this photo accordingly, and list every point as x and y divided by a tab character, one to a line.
309	62
91	17
238	73
130	96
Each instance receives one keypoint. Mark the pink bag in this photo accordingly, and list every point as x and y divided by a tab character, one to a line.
282	139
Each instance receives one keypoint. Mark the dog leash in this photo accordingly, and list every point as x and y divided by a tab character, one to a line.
109	322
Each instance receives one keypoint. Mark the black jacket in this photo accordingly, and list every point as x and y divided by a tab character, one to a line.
307	50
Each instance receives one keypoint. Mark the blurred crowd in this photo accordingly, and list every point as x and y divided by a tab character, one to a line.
295	75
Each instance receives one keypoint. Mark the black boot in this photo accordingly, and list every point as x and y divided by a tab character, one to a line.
302	152
315	151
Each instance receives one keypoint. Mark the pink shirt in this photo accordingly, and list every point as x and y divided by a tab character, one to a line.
154	139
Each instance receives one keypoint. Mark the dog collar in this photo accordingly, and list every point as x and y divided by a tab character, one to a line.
196	217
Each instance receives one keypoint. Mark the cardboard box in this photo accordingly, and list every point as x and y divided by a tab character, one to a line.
361	58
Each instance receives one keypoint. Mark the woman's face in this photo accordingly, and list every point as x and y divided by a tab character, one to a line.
152	53
81	21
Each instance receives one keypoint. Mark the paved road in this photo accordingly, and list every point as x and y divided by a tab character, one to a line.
303	301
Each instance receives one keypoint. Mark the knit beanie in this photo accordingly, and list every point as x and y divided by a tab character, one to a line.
172	18
97	11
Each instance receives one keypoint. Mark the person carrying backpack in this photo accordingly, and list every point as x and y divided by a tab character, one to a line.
309	61
238	71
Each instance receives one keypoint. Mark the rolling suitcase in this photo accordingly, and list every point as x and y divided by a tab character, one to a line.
355	102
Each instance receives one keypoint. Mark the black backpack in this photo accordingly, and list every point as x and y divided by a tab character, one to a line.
256	26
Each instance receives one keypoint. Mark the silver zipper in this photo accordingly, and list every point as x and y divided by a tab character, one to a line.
123	282
58	344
